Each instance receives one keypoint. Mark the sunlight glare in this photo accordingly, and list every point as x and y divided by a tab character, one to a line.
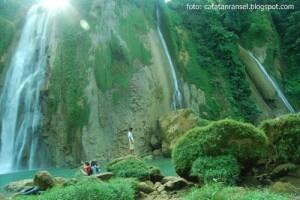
54	5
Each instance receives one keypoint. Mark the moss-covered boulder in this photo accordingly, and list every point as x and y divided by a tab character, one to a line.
226	137
134	167
44	180
284	136
223	169
176	124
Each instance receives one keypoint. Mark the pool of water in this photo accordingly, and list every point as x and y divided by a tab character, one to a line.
16	176
165	165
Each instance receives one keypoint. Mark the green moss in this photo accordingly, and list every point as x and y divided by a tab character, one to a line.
242	140
284	135
221	192
68	78
206	54
7	31
131	167
223	169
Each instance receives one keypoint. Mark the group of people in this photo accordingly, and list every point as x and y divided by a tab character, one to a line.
91	168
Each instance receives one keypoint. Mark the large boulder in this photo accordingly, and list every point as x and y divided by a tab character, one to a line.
44	180
226	137
18	186
284	136
105	176
176	124
145	187
131	166
284	187
174	183
2	197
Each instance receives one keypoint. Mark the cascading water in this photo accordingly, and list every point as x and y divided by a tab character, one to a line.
274	85
20	146
177	96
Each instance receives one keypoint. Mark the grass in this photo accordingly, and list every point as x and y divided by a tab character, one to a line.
89	190
221	192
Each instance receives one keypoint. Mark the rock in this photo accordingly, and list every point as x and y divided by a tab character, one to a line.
282	170
296	172
176	124
44	180
157	185
282	187
105	176
161	188
155	142
18	186
155	174
148	157
157	152
142	195
174	183
60	180
71	181
145	187
2	197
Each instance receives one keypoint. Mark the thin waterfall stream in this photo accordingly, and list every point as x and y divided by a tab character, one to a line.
20	146
177	96
274	85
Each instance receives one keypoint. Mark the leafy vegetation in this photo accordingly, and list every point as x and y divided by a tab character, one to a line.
213	64
241	140
284	135
223	169
220	192
89	190
6	35
68	78
288	28
131	167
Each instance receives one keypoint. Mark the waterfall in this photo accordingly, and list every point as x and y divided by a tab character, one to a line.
177	96
274	85
20	146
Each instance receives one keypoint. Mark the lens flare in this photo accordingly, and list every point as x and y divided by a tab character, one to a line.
54	5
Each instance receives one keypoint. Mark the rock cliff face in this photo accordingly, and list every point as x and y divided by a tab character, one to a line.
117	77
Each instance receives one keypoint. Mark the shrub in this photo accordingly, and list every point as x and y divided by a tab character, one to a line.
242	140
132	167
284	136
89	190
220	168
219	192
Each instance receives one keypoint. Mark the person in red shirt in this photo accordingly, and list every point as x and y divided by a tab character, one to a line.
87	168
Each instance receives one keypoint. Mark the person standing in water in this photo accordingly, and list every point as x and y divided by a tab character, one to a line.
131	141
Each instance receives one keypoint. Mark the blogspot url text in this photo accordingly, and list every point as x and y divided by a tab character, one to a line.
248	6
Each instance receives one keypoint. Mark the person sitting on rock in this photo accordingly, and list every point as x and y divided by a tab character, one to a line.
87	169
94	167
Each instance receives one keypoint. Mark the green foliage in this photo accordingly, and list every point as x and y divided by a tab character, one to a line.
68	78
205	51
6	34
284	135
229	137
287	25
11	10
89	190
130	167
220	192
7	31
216	169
